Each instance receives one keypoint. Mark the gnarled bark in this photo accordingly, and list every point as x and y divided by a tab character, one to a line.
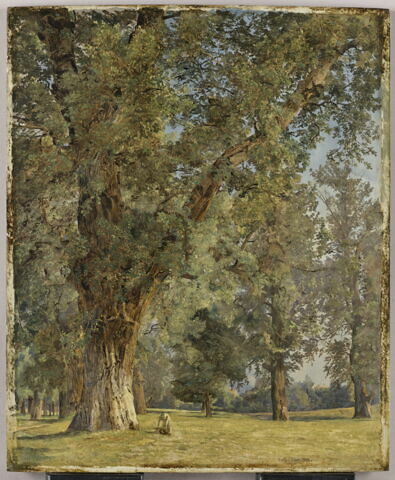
112	327
107	400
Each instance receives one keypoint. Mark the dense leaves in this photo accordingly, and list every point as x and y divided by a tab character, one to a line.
160	178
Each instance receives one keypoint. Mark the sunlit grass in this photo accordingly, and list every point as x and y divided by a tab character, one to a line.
320	440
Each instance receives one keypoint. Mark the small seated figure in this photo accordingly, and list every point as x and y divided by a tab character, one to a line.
164	424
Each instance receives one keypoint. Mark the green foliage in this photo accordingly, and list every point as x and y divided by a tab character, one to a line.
154	362
279	305
210	356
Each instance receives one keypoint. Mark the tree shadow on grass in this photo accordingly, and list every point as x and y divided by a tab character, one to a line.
22	421
303	418
30	457
214	415
150	431
49	436
316	418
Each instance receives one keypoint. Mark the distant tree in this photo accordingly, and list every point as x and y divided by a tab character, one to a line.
298	397
351	281
210	357
257	398
335	396
154	366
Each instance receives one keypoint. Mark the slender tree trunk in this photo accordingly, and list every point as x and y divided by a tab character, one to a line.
278	389
37	407
66	408
46	407
138	392
361	394
23	407
30	405
70	394
278	371
208	405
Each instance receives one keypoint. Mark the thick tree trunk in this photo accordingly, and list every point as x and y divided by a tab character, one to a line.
107	399
207	402
278	389
112	325
37	407
138	392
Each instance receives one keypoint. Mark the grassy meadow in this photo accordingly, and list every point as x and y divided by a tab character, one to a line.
323	440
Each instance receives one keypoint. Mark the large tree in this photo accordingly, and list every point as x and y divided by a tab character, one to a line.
279	303
350	299
112	88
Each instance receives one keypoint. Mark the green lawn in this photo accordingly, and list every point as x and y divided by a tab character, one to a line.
319	440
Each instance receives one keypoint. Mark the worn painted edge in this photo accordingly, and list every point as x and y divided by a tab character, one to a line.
10	353
257	469
385	280
293	9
